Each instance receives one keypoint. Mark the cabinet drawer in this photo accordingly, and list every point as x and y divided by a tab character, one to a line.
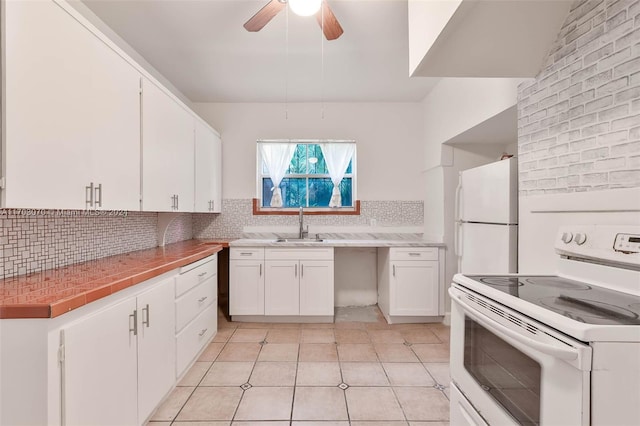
194	336
299	253
188	280
196	300
413	253
243	253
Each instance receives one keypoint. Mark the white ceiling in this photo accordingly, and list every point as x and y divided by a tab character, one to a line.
203	49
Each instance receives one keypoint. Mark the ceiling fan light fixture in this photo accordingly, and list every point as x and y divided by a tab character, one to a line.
305	7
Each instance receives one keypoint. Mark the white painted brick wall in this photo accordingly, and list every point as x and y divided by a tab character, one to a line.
579	120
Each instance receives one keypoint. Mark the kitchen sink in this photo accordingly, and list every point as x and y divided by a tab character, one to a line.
299	240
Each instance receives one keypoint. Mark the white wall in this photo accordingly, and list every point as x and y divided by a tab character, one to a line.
388	137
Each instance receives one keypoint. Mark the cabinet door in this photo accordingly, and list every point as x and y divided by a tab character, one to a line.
414	288
115	130
246	287
99	378
156	346
205	167
48	106
282	287
167	152
217	175
316	287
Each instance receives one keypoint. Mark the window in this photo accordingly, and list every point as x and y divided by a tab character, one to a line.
307	180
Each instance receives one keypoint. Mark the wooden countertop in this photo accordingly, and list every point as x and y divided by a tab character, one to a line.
51	293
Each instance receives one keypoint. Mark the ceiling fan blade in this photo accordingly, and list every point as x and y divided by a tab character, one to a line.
264	15
331	28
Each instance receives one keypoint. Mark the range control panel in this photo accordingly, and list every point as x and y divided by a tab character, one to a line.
627	243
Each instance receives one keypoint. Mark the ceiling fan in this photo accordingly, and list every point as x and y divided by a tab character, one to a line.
331	27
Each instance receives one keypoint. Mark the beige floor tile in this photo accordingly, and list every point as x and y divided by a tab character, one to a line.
380	325
394	352
227	374
152	423
172	404
284	335
279	352
247	335
409	326
321	423
284	423
373	403
265	403
386	336
318	374
239	352
440	372
319	403
209	403
195	374
423	403
318	325
352	336
349	325
317	336
387	423
428	424
407	374
437	352
420	336
290	325
317	352
447	393
223	334
211	352
363	374
254	324
273	374
350	352
443	332
201	423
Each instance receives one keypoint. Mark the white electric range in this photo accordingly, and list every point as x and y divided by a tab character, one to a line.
552	350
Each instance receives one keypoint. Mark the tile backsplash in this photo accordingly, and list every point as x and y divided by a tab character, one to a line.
238	213
33	241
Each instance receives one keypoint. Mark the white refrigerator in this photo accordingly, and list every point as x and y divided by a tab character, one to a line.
486	240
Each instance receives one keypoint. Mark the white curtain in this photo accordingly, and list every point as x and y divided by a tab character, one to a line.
276	157
337	156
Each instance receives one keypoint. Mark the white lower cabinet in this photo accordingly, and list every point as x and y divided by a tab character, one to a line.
409	283
196	298
119	362
246	281
297	281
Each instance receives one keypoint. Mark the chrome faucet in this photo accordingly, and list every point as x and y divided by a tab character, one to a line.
302	234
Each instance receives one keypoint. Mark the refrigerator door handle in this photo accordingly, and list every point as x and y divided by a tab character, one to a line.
456	244
458	200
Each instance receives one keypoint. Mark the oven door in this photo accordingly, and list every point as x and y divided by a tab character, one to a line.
514	370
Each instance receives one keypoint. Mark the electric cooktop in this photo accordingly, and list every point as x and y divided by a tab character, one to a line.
581	302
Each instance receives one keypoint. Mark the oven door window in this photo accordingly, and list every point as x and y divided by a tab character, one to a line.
509	376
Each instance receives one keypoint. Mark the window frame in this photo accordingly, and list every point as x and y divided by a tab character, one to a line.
258	209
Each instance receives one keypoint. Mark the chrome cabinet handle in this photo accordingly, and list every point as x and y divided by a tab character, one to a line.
146	322
414	254
202	332
88	195
134	328
98	197
261	269
301	270
202	299
394	270
245	253
296	271
173	202
202	274
177	202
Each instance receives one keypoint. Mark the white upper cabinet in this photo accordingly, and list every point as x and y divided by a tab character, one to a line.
208	164
71	113
167	152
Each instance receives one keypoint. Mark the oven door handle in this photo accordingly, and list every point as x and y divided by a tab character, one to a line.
499	329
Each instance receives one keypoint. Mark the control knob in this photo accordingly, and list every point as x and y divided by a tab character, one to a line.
580	239
566	237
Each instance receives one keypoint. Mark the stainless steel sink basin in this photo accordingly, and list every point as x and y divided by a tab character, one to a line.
299	240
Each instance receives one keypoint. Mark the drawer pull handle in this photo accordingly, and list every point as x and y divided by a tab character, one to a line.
202	333
202	274
414	254
261	269
394	270
245	253
202	299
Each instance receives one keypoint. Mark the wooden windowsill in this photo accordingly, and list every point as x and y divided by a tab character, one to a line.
354	211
